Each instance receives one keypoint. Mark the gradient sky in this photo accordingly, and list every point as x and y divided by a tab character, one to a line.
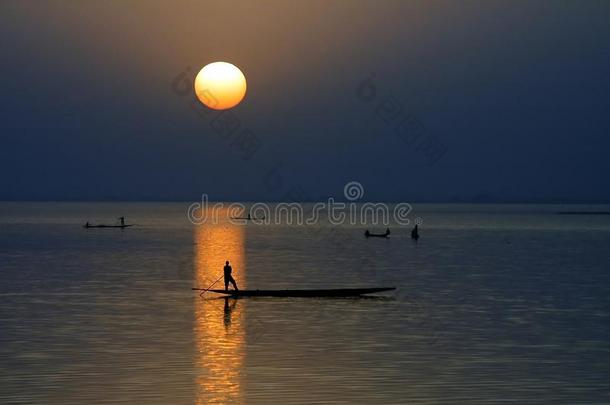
517	94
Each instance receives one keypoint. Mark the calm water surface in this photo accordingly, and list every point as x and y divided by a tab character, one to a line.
494	304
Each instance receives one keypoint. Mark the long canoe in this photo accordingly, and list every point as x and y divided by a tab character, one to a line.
377	235
338	292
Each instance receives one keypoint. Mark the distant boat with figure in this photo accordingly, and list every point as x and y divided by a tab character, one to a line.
369	234
122	225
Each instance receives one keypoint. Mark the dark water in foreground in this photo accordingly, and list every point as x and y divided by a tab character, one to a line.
494	304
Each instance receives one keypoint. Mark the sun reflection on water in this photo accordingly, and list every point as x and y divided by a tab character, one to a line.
219	326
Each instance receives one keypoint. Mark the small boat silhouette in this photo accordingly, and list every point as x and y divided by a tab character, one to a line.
122	225
369	234
88	225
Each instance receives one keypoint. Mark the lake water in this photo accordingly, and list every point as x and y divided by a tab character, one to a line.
495	303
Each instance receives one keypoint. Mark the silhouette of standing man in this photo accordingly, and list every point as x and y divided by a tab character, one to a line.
228	277
415	233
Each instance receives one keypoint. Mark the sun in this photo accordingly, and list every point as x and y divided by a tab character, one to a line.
220	85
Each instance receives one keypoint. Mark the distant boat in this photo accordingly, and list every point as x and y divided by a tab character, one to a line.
337	292
87	225
249	218
122	225
369	234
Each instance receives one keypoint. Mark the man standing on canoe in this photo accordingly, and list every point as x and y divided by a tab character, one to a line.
228	277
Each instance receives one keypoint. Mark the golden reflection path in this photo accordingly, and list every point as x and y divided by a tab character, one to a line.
219	326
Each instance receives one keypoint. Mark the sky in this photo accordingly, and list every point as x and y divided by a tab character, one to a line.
418	101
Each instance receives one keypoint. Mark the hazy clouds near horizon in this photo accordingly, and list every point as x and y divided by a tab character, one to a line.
515	93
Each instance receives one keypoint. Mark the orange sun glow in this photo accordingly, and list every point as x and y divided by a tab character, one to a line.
220	85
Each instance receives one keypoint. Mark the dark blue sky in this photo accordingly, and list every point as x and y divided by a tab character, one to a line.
470	101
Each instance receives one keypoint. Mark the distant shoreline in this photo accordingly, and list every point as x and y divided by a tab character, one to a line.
583	213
